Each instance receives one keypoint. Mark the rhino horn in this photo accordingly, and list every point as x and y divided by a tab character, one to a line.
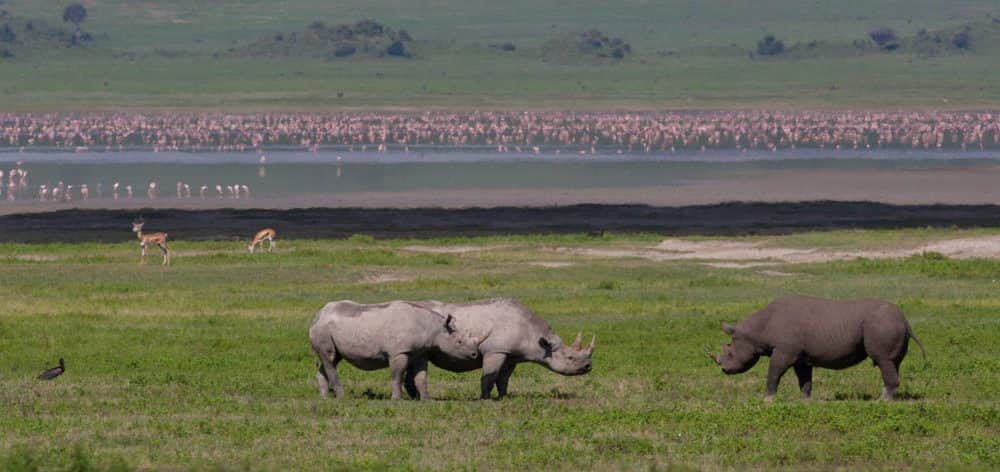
576	342
590	348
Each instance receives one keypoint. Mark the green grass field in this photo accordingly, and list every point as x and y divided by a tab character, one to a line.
166	55
206	364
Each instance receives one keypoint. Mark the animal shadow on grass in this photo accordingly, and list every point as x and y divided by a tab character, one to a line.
856	396
554	394
372	394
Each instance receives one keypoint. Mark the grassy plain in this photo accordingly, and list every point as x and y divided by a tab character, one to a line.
206	364
164	55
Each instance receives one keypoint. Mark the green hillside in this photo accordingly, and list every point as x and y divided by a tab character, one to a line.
508	55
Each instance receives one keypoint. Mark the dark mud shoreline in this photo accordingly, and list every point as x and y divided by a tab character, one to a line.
717	219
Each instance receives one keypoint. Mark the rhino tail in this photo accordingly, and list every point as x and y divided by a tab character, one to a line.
923	351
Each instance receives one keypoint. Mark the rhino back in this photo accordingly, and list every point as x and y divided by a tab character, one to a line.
377	330
819	327
508	326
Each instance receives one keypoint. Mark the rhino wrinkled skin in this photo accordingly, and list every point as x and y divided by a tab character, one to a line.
398	335
511	334
802	332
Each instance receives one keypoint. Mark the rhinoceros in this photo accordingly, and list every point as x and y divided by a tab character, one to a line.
802	332
397	334
511	333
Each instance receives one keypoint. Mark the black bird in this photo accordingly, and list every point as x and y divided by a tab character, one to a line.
54	372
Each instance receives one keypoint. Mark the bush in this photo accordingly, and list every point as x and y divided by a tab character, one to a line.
961	40
508	46
5	53
7	34
75	14
397	49
344	50
882	35
343	32
769	46
368	27
402	35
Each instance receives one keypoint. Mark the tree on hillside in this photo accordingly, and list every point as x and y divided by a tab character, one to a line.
75	13
770	46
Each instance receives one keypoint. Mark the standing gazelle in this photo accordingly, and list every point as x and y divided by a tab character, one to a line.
146	239
267	233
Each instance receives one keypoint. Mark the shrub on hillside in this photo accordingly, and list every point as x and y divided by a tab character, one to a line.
770	46
883	36
398	49
961	40
7	34
319	39
368	27
344	50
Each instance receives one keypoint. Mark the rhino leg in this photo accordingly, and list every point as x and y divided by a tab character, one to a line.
805	374
504	377
415	381
327	377
410	385
492	364
890	378
397	368
780	362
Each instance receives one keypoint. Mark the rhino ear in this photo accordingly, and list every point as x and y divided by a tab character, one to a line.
728	328
546	345
449	324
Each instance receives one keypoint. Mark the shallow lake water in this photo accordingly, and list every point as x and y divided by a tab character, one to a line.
329	174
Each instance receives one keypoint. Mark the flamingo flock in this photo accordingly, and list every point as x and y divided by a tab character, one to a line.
17	188
533	132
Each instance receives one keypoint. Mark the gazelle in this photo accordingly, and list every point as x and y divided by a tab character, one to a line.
267	233
146	239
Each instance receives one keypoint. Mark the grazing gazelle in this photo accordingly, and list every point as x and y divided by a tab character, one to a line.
159	239
267	233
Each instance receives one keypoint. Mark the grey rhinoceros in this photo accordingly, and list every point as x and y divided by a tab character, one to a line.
802	332
399	335
511	333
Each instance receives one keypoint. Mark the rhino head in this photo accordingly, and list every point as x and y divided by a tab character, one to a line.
457	342
740	355
566	360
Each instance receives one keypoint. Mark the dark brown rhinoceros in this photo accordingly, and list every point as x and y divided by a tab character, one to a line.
804	332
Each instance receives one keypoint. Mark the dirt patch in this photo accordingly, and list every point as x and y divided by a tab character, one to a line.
967	248
738	265
36	257
744	254
552	264
451	249
777	273
385	278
